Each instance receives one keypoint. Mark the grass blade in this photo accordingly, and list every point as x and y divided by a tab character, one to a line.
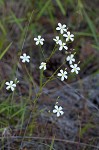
2	28
96	47
91	26
5	50
61	7
43	9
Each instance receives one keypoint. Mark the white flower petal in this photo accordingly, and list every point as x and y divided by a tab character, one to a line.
60	108
40	67
75	65
76	72
72	39
54	111
65	72
71	66
65	35
21	57
61	31
60	48
12	88
61	71
72	70
24	55
59	74
61	112
65	47
8	87
58	114
35	39
59	24
56	107
37	43
65	76
60	42
7	83
72	35
41	42
44	67
78	68
64	26
14	85
11	82
57	28
39	36
62	78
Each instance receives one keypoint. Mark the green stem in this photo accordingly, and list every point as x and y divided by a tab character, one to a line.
40	91
41	79
52	53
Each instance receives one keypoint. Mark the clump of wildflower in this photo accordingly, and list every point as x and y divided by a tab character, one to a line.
58	110
25	58
39	40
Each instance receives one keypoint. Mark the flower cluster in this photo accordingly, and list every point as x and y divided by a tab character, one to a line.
63	45
61	41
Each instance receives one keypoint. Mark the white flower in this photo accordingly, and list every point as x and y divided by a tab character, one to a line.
39	40
25	58
10	85
70	59
43	65
62	45
75	68
69	36
62	74
57	40
58	110
61	28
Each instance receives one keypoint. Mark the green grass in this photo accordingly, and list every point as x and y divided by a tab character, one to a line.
89	21
5	51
